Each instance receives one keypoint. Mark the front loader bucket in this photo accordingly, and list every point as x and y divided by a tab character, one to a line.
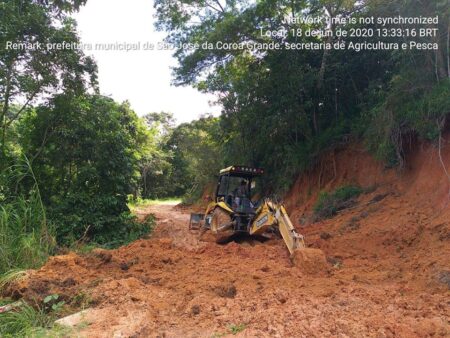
196	221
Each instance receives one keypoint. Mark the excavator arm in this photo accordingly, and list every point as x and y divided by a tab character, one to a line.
274	214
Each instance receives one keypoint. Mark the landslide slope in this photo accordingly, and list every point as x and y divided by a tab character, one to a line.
388	255
397	231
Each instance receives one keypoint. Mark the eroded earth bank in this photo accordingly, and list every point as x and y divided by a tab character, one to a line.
388	276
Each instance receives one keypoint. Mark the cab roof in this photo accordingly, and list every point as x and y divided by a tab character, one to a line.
241	170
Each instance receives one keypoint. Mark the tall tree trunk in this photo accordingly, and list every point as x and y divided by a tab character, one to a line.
336	100
448	50
441	71
322	68
436	71
315	125
3	118
331	14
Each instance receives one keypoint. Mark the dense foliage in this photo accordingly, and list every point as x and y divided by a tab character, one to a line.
189	157
69	157
85	153
33	68
282	108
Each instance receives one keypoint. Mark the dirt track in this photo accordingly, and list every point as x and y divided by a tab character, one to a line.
388	254
174	286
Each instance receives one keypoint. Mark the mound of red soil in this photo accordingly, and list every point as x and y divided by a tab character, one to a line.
387	266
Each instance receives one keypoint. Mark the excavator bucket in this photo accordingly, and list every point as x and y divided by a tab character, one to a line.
311	261
196	221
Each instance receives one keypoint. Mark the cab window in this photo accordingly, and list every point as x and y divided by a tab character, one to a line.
228	184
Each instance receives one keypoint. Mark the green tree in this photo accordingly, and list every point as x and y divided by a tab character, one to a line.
197	155
155	166
33	68
85	152
282	108
186	157
414	103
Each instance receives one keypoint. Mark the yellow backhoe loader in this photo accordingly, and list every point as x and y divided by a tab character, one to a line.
232	211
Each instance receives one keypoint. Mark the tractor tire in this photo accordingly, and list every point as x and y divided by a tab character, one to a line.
221	226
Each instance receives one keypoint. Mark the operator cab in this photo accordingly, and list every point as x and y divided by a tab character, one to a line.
236	186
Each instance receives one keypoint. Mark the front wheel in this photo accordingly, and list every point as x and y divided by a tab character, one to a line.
221	225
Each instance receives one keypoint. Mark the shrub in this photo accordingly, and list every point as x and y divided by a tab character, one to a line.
132	231
235	329
328	204
87	166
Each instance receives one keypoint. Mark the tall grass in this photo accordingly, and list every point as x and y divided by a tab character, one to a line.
26	237
22	323
32	321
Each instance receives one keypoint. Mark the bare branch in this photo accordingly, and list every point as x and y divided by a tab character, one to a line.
212	7
220	5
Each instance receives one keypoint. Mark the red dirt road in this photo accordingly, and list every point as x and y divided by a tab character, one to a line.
388	254
171	285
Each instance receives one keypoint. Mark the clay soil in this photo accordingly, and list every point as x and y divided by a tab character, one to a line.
388	267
